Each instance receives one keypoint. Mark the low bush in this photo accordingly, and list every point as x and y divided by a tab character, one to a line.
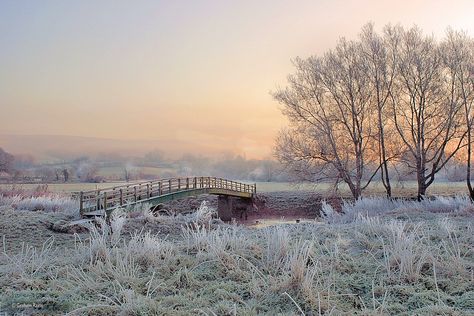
374	206
39	199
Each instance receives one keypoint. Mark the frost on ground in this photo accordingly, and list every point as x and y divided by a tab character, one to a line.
39	199
397	260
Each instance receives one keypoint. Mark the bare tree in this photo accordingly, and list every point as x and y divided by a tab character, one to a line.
369	105
130	172
458	52
45	173
66	174
57	173
87	172
381	57
426	113
328	105
6	161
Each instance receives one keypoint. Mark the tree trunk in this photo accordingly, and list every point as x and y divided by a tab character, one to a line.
420	177
421	189
355	190
421	192
468	167
356	193
384	172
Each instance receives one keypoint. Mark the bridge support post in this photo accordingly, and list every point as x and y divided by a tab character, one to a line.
224	208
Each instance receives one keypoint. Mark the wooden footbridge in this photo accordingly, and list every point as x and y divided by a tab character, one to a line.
102	202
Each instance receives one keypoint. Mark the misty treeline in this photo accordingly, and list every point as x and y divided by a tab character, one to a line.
387	101
154	164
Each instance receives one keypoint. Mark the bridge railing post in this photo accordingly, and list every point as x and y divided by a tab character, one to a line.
81	202
97	200
105	201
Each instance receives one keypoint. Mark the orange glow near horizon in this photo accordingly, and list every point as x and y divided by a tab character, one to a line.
194	74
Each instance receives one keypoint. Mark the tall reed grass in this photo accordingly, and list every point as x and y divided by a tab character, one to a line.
366	262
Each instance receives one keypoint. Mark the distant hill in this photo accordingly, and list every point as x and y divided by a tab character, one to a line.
59	147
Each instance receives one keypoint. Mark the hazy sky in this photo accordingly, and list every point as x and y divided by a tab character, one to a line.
196	72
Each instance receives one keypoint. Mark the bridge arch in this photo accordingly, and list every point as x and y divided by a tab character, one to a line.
102	202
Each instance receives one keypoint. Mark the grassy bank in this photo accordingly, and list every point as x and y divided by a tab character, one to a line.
378	259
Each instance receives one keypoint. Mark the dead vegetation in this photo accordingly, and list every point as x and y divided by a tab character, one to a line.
379	260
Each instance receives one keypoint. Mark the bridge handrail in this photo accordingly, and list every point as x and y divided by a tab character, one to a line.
140	191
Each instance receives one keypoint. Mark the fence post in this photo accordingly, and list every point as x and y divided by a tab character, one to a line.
187	183
148	193
179	183
160	190
135	193
121	197
169	185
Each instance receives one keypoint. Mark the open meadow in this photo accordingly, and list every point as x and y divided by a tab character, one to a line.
400	189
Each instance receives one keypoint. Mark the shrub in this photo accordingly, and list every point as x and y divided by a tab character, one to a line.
375	206
38	199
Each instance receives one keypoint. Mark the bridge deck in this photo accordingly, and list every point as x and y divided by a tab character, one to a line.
159	191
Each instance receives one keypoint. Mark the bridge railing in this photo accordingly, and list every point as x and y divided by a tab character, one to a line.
141	191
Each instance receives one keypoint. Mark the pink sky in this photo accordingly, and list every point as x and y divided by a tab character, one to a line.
190	72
